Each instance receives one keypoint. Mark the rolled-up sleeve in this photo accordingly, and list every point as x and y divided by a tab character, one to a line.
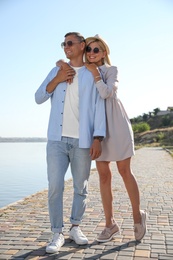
41	94
100	118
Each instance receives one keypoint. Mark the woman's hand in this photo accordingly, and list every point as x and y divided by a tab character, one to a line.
94	70
91	67
66	74
69	70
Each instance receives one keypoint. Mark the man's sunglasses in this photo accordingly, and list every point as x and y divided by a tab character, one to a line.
68	43
95	50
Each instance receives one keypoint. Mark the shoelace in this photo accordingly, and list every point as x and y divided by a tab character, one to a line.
108	230
55	239
80	232
105	231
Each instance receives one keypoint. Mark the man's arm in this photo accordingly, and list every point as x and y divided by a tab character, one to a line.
99	128
55	76
96	149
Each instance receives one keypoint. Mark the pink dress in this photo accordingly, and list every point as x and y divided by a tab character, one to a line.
119	142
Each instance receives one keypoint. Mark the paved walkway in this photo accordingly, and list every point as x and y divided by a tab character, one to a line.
25	229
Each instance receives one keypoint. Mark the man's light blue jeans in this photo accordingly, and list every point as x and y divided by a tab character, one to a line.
59	155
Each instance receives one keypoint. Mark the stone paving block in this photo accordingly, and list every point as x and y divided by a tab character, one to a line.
6	257
124	258
65	256
125	253
158	247
89	251
153	257
159	251
98	247
169	247
165	257
11	252
110	256
144	247
78	256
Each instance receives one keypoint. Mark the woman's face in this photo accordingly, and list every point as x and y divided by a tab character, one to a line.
95	54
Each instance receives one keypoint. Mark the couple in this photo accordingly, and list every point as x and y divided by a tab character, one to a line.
98	131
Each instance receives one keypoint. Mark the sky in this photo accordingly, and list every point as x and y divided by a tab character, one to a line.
138	32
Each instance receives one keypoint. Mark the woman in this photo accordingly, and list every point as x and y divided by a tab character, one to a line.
118	145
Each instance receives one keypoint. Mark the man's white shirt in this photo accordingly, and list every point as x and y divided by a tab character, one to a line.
71	109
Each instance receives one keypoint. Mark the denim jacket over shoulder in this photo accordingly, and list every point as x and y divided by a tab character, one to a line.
92	121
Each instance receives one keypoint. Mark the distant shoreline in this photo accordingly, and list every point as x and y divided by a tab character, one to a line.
22	139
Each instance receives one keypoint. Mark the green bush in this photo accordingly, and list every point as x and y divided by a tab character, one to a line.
160	136
166	120
140	127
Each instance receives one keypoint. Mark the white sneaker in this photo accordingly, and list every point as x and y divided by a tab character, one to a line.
56	243
77	235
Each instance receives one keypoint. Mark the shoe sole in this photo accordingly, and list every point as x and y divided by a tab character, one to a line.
80	244
54	251
145	218
107	240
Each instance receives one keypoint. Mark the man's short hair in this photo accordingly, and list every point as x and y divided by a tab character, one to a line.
77	35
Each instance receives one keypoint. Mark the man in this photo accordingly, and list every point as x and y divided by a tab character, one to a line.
76	128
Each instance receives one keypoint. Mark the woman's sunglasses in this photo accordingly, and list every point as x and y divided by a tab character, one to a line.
95	50
68	43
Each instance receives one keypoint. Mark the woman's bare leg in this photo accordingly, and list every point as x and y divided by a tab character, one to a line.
131	187
105	177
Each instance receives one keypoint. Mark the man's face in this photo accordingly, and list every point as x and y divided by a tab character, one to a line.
73	47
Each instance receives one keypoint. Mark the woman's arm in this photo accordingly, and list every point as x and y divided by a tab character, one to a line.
106	85
94	70
65	66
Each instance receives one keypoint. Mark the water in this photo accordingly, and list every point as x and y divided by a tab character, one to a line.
22	171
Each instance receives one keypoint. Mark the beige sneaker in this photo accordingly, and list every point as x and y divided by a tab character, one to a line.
140	229
108	233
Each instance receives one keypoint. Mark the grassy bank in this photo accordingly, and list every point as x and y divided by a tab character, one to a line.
158	137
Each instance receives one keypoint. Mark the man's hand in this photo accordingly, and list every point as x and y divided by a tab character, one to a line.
96	149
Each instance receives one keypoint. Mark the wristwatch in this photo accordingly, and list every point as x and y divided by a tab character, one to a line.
100	138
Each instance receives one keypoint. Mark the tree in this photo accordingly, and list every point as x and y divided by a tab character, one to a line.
166	120
145	117
156	110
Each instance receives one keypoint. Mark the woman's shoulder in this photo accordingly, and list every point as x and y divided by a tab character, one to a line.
109	70
107	67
